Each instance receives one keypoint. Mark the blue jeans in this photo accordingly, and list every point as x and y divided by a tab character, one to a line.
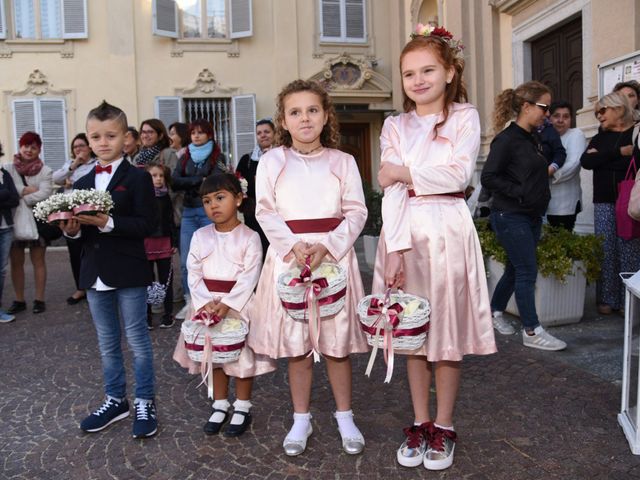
519	235
130	305
6	237
192	220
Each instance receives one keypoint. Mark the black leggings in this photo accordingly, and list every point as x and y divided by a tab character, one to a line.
163	265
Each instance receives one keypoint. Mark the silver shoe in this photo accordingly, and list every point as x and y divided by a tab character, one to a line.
411	452
442	444
352	445
295	447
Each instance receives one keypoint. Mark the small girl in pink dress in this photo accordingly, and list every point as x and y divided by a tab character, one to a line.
310	205
429	245
224	265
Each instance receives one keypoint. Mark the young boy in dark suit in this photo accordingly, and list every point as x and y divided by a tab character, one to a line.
115	272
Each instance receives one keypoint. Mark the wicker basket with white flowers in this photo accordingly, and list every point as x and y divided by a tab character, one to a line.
56	208
91	202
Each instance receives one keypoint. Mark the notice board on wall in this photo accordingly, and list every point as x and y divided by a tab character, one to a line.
621	69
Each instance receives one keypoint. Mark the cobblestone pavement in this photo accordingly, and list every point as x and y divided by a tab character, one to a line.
521	414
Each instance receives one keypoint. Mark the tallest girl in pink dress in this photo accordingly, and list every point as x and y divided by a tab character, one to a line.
429	245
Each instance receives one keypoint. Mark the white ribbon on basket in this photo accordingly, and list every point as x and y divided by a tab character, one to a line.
386	322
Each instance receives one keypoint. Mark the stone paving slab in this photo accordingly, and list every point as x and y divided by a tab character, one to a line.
521	414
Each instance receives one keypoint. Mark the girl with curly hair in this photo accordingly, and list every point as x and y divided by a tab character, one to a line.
311	207
428	245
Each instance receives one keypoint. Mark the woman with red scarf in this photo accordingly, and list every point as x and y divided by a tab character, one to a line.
32	179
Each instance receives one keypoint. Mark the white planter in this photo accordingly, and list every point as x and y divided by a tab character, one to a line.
370	246
556	303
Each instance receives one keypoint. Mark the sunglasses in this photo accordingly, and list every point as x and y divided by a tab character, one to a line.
600	111
543	106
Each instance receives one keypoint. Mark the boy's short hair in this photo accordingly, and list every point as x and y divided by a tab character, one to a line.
560	104
106	111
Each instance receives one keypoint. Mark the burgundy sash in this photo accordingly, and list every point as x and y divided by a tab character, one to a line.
412	193
214	348
314	225
222	286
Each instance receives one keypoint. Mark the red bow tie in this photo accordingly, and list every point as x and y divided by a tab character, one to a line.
100	169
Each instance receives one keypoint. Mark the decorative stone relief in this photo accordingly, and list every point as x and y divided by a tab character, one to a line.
206	85
38	84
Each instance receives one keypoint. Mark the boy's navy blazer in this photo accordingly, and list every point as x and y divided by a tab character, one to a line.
118	257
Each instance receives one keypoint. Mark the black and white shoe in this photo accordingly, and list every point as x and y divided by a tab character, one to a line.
145	422
109	412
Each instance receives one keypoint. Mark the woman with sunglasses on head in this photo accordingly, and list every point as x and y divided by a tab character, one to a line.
609	154
516	174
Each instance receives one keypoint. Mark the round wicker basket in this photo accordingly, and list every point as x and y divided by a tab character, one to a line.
230	331
409	320
295	294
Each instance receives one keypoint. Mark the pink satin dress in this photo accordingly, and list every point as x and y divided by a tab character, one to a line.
442	260
290	186
231	256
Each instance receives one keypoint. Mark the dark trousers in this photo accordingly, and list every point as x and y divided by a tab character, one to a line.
163	267
75	255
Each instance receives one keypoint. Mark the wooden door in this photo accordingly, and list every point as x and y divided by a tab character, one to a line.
354	140
557	62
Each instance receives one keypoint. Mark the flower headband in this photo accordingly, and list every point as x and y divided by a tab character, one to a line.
443	33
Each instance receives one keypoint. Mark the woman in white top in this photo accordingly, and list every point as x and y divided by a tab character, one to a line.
566	193
82	162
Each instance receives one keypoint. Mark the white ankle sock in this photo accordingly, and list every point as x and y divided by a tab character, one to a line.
346	425
300	426
223	405
240	406
451	429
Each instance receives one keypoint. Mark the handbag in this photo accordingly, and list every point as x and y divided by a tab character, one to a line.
156	292
24	224
47	231
626	227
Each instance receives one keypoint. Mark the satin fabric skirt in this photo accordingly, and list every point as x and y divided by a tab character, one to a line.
445	266
248	364
274	333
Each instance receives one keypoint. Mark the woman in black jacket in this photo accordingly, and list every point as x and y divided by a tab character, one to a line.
609	154
9	200
201	159
517	176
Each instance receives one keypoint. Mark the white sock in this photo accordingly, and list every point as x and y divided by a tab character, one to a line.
240	406
223	405
451	429
346	425
300	427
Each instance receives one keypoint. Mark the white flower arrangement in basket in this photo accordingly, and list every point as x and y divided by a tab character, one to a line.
54	209
91	202
220	342
310	296
400	321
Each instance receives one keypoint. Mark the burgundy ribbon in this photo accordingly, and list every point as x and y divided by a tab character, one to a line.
222	286
400	332
313	225
322	301
376	307
214	348
412	193
207	318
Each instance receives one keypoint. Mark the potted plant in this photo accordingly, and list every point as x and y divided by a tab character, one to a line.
371	232
566	262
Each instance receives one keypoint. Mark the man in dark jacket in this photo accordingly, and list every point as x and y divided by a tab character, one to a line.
9	200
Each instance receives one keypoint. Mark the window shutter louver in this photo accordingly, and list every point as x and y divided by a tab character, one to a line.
243	113
3	21
169	110
165	18
241	18
330	19
74	17
53	130
354	13
24	119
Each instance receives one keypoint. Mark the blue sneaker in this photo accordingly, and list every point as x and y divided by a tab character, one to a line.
6	317
109	412
145	423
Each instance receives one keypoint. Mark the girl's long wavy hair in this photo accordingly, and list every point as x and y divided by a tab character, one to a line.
330	136
509	102
456	91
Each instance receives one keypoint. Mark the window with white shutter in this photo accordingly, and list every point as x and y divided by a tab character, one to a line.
74	19
169	110
241	18
243	114
48	118
165	18
3	22
343	21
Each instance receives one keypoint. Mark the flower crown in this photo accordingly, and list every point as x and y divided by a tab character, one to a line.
431	31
